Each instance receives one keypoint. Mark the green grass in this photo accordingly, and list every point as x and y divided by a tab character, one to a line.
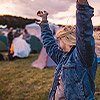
19	81
97	82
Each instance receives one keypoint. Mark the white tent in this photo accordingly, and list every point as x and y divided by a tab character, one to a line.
43	61
35	29
21	47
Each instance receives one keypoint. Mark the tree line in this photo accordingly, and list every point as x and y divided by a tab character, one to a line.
15	22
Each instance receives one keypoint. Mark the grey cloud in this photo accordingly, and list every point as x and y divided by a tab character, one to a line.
29	8
98	14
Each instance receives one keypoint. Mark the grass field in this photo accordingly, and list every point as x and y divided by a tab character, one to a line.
19	81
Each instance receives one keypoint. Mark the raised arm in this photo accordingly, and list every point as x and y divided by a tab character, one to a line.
48	40
85	43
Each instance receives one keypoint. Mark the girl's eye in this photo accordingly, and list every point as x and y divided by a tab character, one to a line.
67	37
58	39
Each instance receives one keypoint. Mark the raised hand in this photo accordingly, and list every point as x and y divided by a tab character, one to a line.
82	1
43	15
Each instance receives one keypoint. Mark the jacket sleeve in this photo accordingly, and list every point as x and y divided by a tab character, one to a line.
85	43
50	43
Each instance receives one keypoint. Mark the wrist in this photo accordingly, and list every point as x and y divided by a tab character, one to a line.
82	2
44	19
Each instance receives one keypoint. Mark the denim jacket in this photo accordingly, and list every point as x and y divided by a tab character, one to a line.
78	67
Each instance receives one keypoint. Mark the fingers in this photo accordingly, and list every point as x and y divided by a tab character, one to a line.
82	1
45	12
42	13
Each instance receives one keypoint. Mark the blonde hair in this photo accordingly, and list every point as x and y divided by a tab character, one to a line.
68	33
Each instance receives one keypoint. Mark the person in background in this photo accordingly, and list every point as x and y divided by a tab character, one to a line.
1	57
77	65
26	36
10	44
21	47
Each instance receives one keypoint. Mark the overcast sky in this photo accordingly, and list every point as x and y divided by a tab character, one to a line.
60	11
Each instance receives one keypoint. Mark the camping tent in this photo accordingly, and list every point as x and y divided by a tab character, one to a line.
35	44
21	47
35	29
43	61
3	43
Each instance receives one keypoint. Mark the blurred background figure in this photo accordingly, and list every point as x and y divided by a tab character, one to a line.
10	44
26	36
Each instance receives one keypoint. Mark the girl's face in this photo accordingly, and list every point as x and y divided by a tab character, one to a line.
64	44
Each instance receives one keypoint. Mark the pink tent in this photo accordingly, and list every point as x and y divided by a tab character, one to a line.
43	61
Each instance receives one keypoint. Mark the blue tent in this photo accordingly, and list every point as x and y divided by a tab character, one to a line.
3	43
36	44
